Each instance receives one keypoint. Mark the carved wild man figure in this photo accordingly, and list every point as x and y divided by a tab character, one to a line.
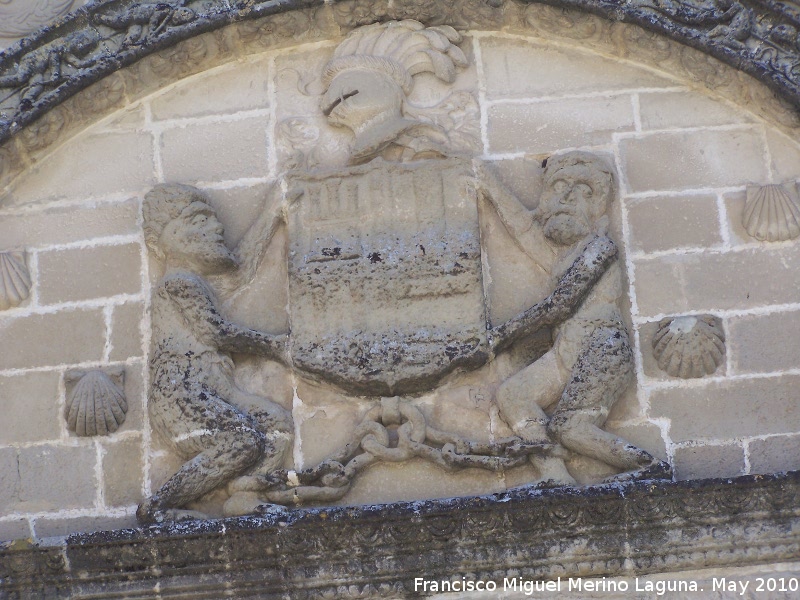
386	293
194	403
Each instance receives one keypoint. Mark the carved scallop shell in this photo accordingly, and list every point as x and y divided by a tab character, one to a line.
689	347
15	281
96	406
772	213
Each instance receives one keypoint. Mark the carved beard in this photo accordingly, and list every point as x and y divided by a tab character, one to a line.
214	258
566	229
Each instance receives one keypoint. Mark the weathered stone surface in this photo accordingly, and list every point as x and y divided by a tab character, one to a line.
29	403
774	454
9	479
699	462
126	335
678	110
549	125
748	407
84	273
671	222
123	470
216	151
693	159
68	224
14	529
56	477
27	341
128	165
612	530
765	343
733	280
520	69
223	91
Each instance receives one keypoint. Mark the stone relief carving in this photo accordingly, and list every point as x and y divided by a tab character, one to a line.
19	18
144	21
689	347
772	212
50	66
96	403
758	37
15	280
221	430
386	300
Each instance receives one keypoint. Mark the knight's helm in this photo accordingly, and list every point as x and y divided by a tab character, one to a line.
400	49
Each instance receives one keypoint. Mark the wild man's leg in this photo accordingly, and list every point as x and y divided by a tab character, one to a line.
223	443
275	423
522	398
602	371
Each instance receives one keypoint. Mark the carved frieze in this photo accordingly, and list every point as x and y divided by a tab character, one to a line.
757	37
625	529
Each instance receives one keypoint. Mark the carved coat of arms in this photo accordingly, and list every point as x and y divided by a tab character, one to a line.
387	298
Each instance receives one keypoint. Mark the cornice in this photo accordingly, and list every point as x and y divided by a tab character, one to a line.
608	530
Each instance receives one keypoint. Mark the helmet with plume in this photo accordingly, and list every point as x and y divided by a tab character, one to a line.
400	49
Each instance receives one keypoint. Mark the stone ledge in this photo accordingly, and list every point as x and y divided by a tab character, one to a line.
632	528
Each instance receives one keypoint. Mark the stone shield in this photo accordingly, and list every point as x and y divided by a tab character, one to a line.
385	287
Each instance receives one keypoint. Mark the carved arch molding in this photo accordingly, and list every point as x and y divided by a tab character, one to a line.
76	67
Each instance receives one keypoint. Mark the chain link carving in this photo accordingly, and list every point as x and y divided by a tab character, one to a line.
393	431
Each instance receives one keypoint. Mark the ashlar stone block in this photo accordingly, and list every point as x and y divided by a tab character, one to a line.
56	477
674	110
85	273
28	341
9	479
693	159
216	150
773	454
227	90
14	529
117	162
670	222
63	225
126	335
553	124
699	462
123	472
29	404
737	408
518	69
784	155
717	281
765	343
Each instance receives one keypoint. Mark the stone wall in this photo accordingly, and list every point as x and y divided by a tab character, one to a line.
684	158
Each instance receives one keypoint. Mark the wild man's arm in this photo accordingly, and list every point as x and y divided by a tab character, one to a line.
518	220
576	283
192	297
